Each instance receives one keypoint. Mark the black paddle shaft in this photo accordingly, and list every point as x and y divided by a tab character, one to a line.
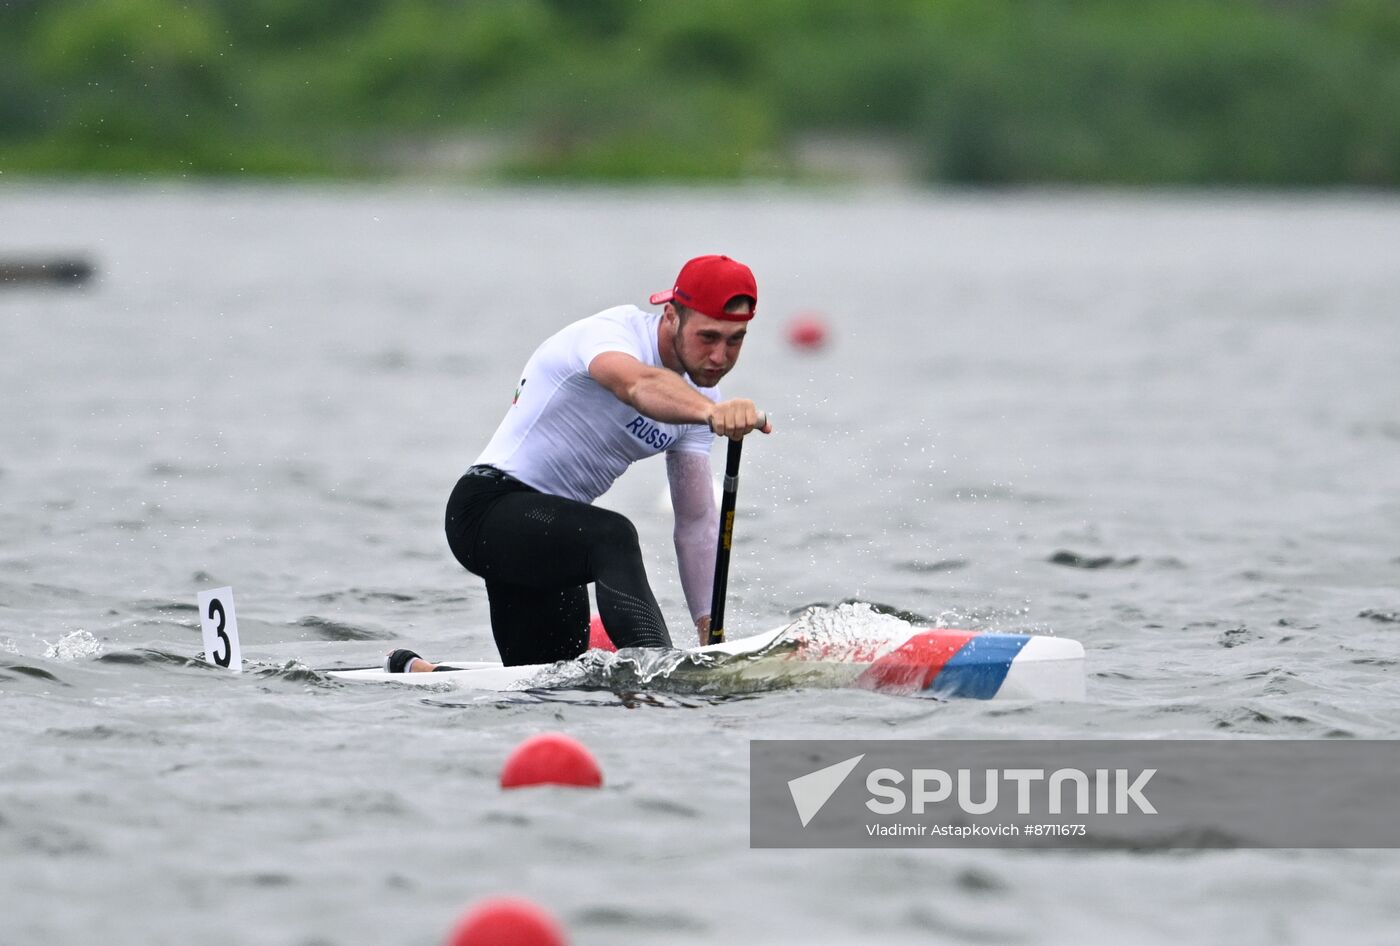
726	537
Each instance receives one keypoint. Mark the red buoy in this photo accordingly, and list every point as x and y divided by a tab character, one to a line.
507	921
551	758
807	331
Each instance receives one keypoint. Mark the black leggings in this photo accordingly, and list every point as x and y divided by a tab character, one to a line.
538	553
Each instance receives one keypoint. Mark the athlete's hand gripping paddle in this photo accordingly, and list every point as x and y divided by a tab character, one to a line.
726	536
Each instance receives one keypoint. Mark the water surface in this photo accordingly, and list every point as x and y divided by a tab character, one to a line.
1165	426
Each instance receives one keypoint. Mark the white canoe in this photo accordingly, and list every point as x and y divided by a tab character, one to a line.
937	662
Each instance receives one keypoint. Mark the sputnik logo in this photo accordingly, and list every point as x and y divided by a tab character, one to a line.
811	792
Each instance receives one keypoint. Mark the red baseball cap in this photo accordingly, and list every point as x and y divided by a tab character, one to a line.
707	284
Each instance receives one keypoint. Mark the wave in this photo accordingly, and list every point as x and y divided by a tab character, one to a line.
363	596
293	672
1078	560
1169	841
336	631
149	656
10	670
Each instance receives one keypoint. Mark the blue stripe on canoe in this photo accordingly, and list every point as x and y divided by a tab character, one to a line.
977	670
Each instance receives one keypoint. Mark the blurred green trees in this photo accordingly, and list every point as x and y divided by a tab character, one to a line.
1250	92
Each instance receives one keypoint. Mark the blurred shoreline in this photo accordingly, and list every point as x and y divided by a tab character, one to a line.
992	93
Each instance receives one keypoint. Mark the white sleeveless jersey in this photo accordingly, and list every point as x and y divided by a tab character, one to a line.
567	435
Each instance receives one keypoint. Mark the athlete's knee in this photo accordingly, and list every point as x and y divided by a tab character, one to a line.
615	532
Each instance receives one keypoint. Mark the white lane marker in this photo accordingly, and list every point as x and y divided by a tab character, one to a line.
220	629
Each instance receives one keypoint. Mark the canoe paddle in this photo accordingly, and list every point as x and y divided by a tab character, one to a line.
726	536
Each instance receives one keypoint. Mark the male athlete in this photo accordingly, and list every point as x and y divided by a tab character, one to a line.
597	396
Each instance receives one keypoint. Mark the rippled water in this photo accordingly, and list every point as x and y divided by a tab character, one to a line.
1165	426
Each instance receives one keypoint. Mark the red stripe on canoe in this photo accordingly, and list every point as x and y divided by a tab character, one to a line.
911	666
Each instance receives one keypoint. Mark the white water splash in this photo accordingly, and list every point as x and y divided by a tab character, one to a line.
637	667
852	632
8	646
856	621
74	646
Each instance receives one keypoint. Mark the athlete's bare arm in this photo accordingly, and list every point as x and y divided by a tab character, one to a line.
663	395
696	531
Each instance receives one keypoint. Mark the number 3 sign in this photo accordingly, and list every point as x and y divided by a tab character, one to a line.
220	629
